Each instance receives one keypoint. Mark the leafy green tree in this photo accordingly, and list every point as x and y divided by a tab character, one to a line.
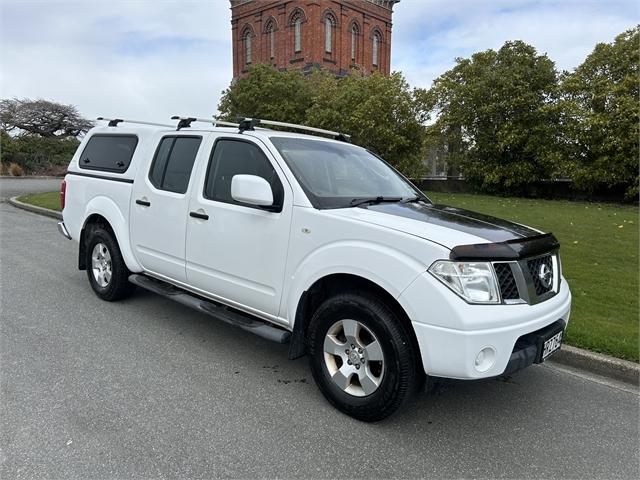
36	154
380	113
267	93
496	112
602	110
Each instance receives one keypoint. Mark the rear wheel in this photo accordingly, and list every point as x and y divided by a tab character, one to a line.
361	356
107	272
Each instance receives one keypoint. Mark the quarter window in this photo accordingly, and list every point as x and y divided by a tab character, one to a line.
235	157
109	153
173	162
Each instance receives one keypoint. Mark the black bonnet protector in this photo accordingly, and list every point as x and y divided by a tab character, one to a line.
516	249
511	241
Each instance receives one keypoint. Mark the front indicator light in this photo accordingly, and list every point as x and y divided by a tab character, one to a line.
475	282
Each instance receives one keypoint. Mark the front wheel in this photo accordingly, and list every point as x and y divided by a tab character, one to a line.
361	356
107	272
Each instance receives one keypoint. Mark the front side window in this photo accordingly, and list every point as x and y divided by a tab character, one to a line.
109	153
337	175
173	162
237	157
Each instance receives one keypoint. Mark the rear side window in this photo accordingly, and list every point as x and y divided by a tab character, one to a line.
110	153
235	157
173	162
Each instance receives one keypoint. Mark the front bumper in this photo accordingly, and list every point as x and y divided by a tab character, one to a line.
451	333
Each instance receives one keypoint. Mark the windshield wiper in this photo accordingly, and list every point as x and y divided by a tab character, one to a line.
413	199
373	200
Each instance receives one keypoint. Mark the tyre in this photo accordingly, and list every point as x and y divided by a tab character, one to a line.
107	272
361	356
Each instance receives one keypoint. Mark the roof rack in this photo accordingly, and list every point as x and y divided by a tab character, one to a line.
113	122
185	122
243	125
250	123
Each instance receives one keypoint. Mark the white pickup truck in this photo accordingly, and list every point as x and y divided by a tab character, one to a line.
316	242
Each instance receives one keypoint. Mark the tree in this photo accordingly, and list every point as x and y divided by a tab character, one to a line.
42	118
496	112
267	93
381	113
601	103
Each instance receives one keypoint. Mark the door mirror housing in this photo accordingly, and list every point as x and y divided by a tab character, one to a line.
251	189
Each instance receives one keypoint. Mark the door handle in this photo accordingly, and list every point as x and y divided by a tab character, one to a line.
201	216
144	203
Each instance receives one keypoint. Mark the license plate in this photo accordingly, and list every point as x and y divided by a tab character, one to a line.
551	345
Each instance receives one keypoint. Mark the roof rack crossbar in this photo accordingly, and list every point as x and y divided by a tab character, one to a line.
254	122
113	122
184	122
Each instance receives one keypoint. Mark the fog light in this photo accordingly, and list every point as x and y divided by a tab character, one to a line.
485	359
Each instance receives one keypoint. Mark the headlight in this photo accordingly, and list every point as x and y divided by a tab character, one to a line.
473	281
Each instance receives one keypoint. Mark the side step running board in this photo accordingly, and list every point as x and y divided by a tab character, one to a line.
221	312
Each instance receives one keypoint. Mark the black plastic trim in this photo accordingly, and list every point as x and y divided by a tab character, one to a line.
221	312
101	177
528	348
201	216
516	249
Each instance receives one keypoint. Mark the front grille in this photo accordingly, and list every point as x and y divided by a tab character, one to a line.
506	281
541	270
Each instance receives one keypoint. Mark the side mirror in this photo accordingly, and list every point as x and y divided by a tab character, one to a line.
251	189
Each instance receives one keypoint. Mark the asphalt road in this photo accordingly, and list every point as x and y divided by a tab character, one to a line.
148	388
10	187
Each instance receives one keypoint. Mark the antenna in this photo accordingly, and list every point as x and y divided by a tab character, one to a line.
113	122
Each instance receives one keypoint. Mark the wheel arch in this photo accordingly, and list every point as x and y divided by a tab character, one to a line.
103	211
332	284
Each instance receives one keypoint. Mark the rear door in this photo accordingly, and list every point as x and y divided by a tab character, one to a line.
237	252
160	206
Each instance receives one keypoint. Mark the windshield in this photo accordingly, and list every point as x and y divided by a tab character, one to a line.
336	175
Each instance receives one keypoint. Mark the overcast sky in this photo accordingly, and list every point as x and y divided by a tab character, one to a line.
149	59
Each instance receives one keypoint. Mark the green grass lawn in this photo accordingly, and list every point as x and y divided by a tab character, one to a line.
50	200
599	251
599	257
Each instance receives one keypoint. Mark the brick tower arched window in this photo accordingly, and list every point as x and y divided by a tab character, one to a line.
354	31
295	20
270	30
330	24
247	38
376	41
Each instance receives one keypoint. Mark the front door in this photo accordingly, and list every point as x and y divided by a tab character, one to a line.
237	252
159	207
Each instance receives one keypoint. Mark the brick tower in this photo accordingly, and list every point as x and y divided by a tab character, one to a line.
338	35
